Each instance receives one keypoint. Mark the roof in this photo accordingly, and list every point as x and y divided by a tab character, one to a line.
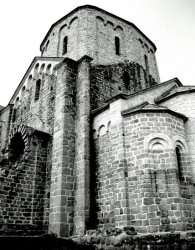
128	96
174	92
58	59
98	9
147	107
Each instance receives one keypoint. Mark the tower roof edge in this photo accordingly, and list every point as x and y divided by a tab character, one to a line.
88	6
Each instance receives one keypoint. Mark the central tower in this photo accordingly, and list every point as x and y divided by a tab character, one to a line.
106	38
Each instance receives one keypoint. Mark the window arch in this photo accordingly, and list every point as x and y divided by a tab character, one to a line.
22	92
126	80
42	68
17	102
48	68
65	45
117	45
37	89
146	63
179	162
17	147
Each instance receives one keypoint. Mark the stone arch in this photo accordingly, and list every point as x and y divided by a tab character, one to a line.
102	130
157	141
99	18
54	70
63	26
180	142
29	81
110	23
48	68
42	68
19	129
16	102
22	92
18	147
36	69
181	152
73	19
118	27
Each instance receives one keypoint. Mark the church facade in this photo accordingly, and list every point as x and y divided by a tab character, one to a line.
92	139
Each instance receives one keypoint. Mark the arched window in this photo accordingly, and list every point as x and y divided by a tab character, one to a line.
126	80
22	92
37	90
65	45
29	82
146	63
117	45
179	162
42	68
17	102
17	147
48	68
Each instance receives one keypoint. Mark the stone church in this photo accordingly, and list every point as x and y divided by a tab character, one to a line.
91	137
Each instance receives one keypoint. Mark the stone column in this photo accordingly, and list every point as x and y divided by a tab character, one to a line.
121	200
62	181
82	147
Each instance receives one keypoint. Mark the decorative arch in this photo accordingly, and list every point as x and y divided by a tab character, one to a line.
102	130
36	68
29	81
42	68
17	150
181	150
19	129
100	18
54	70
178	141
157	141
70	23
118	28
63	26
48	68
110	23
22	92
16	102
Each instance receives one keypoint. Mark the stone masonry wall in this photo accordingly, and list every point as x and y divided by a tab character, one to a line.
33	114
108	81
185	103
104	181
23	188
5	120
158	200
